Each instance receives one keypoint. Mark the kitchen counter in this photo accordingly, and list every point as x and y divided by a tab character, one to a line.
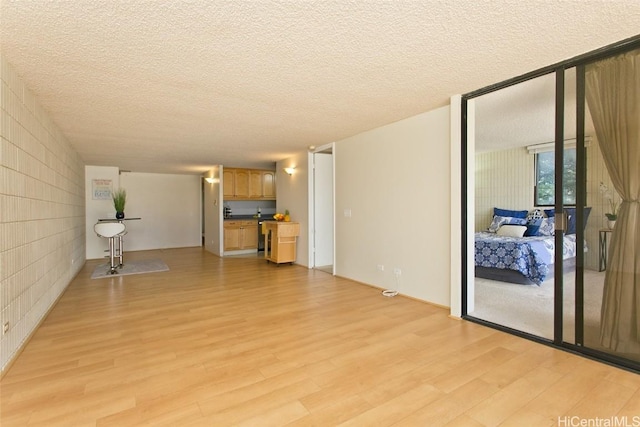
242	218
264	217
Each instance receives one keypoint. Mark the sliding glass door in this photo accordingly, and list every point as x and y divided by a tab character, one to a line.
514	178
552	168
611	291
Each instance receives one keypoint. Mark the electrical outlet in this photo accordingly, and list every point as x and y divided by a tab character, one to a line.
5	328
397	271
380	267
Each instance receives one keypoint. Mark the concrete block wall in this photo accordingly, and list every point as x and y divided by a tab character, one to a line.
42	213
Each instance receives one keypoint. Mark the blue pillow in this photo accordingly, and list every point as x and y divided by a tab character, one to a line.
550	213
571	222
533	226
510	213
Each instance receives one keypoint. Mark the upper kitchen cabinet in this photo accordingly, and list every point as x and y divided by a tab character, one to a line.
228	183
269	185
248	184
235	184
255	184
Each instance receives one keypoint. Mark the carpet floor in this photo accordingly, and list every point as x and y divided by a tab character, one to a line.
131	267
529	308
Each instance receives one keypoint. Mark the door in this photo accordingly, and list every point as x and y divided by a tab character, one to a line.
513	135
323	209
608	297
582	178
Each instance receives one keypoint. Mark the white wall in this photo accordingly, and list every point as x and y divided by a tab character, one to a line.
96	209
455	186
293	194
42	215
395	181
503	179
170	206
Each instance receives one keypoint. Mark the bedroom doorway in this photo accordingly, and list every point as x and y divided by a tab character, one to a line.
545	156
513	136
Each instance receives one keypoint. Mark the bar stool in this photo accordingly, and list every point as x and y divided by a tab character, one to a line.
112	231
120	248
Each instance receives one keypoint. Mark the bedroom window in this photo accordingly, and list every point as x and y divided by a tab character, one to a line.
544	191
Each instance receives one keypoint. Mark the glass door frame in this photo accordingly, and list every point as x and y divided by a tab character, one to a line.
579	64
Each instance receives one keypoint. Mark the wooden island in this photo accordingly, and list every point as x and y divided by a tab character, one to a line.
280	241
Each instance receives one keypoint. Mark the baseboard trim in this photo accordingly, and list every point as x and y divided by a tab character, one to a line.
399	293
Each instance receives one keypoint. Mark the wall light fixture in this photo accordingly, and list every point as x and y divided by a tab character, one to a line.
290	170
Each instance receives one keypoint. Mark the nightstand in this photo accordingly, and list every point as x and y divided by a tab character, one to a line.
602	248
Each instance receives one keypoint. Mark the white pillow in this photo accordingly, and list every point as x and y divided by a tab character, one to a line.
499	221
547	227
512	230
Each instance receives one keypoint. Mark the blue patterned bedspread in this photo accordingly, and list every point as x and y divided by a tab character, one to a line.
531	256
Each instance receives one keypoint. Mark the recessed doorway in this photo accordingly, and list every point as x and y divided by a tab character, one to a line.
321	239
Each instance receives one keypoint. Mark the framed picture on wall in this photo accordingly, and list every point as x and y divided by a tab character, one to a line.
101	189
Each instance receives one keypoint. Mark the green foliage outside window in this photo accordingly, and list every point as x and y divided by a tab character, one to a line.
546	179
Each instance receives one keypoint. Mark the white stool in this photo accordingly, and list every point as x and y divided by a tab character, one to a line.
120	248
114	232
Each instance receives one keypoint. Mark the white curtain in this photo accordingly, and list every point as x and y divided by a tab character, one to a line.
613	96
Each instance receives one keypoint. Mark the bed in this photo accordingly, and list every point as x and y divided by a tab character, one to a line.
522	260
518	245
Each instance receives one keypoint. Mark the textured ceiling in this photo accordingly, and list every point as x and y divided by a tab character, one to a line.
177	86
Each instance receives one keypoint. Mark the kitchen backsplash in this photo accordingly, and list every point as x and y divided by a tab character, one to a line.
267	207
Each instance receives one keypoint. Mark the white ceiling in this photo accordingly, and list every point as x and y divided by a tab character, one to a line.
524	114
179	86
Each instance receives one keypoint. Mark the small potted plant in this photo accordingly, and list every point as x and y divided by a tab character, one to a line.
612	216
119	199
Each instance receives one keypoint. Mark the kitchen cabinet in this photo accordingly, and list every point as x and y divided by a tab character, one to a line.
280	241
235	183
228	183
248	184
241	183
249	235
269	185
240	235
255	184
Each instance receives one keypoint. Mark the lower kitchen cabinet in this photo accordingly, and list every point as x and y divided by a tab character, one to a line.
240	235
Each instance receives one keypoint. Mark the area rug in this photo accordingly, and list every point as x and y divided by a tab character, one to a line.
131	267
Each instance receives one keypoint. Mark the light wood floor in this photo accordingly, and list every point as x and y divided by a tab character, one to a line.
217	342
